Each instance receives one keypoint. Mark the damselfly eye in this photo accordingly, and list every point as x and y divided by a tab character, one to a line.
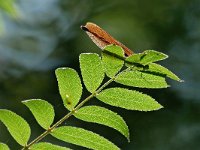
84	28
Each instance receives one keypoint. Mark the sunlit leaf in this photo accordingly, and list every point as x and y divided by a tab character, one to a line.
70	86
141	79
146	57
103	116
82	137
42	111
16	125
153	67
47	146
128	99
111	61
135	58
92	71
4	146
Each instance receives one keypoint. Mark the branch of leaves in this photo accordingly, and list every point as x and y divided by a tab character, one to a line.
140	71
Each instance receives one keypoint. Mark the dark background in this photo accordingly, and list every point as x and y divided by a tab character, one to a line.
45	35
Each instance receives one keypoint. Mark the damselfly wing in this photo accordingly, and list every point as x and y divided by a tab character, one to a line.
101	38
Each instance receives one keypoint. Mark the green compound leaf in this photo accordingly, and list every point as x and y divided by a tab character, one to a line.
103	116
16	125
153	67
92	71
146	57
70	86
128	99
112	58
4	147
82	137
42	111
141	79
47	146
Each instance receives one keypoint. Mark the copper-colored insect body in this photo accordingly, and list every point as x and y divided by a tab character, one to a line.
101	38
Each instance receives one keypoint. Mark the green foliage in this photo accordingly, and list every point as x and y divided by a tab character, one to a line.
156	68
146	57
128	99
83	138
70	86
91	70
139	71
42	111
16	125
4	146
103	116
47	146
111	64
140	79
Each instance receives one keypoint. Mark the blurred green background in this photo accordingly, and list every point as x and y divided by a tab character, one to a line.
38	36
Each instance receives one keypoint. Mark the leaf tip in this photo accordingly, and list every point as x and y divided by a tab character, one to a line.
161	107
25	101
62	68
181	80
167	86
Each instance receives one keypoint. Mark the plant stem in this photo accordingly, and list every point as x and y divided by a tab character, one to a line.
41	136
